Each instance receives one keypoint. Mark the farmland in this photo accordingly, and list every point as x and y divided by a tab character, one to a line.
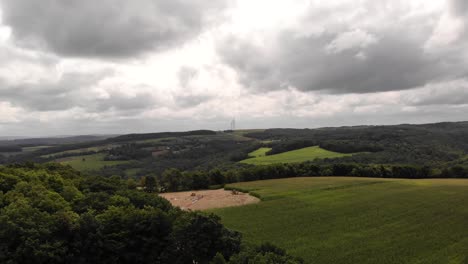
261	152
300	155
89	162
358	220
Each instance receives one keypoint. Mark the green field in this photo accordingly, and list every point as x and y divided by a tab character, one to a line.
299	155
261	152
89	162
358	220
78	151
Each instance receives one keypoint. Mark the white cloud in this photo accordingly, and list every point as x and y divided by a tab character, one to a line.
304	63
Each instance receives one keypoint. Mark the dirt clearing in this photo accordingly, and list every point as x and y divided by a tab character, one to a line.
202	200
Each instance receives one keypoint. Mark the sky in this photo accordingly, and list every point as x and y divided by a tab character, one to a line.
116	66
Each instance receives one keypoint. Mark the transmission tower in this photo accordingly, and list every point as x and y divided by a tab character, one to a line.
233	124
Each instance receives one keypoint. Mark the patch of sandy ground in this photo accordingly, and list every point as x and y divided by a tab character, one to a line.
202	200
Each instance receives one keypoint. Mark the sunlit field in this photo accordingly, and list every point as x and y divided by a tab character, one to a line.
300	155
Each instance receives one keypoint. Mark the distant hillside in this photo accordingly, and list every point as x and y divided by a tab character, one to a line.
438	146
52	140
428	144
131	137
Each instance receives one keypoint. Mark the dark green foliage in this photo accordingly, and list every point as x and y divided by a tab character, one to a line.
150	184
218	259
174	180
344	146
264	254
193	233
128	152
455	172
51	214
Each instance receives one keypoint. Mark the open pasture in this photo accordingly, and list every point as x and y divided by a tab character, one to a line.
89	162
299	155
358	220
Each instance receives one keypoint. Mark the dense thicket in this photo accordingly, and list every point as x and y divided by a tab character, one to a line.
130	151
51	214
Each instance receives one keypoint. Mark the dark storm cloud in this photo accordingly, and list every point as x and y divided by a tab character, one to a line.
340	61
9	56
107	28
47	95
395	62
69	91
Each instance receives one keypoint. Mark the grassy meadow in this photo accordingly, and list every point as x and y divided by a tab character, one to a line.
77	151
261	152
89	162
300	155
358	220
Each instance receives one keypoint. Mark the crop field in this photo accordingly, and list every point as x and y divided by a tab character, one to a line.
299	155
89	162
79	151
358	220
261	152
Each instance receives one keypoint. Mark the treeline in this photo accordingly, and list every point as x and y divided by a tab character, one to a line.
285	146
350	147
175	180
51	214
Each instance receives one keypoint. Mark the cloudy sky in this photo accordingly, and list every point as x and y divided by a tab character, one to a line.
117	66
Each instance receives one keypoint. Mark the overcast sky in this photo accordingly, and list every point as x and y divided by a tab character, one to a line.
116	66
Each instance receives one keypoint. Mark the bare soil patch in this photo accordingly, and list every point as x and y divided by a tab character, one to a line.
202	200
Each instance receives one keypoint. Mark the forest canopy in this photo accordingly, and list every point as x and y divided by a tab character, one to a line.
50	213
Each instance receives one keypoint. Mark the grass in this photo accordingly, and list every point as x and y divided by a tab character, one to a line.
132	172
358	220
73	151
90	162
299	155
261	152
